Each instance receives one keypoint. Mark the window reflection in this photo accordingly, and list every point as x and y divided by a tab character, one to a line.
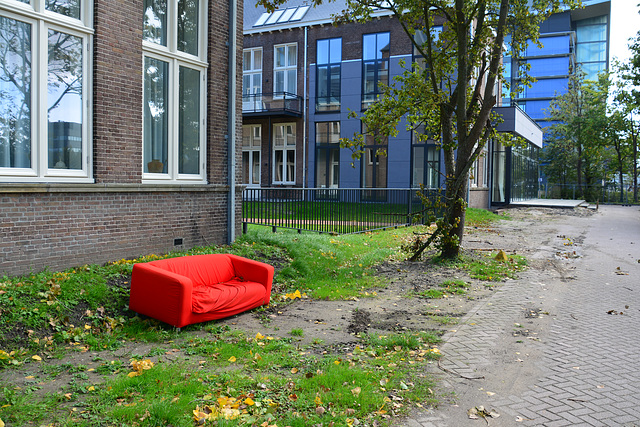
15	93
64	101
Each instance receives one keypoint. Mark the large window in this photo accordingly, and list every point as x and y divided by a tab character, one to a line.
252	79
284	153
285	69
174	90
591	46
329	59
251	143
425	161
375	66
374	160
327	154
44	90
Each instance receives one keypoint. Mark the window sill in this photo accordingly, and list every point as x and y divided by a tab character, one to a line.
109	188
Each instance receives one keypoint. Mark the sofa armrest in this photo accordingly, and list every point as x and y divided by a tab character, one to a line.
254	271
160	294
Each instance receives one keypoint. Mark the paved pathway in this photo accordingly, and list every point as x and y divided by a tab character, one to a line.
557	349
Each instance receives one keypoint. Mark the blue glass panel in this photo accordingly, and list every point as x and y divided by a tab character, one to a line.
549	66
592	52
591	33
551	46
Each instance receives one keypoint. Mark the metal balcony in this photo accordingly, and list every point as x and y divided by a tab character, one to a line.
272	104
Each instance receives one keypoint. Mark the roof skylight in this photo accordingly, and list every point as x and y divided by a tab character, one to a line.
281	16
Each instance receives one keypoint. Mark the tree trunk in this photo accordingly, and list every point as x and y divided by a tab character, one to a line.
455	219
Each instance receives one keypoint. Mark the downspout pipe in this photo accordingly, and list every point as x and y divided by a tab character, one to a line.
232	116
304	114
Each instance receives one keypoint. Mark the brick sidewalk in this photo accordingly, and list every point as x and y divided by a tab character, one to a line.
563	351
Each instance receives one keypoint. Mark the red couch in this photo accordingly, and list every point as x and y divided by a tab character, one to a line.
192	289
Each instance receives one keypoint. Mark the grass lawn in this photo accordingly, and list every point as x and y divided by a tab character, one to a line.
75	325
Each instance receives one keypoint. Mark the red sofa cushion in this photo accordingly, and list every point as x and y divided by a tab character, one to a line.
235	293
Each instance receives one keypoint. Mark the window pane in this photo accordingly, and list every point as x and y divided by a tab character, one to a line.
418	166
369	46
189	121
64	101
291	165
246	165
280	56
322	83
246	60
323	51
69	8
278	86
292	58
321	169
257	59
335	51
279	165
155	21
188	26
15	94
155	115
291	81
255	168
382	47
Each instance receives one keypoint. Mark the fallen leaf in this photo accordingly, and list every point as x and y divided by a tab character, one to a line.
232	359
36	357
356	391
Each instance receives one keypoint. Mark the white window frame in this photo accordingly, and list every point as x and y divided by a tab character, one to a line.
252	70
285	148
253	150
176	59
42	20
285	69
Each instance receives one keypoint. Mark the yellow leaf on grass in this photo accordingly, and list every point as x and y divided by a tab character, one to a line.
318	400
91	388
356	391
294	370
249	401
133	374
294	295
36	357
232	359
259	336
1	423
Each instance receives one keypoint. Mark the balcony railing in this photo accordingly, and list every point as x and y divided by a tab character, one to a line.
333	210
276	103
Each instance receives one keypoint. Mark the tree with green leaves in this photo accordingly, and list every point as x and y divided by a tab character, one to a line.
451	90
628	98
580	133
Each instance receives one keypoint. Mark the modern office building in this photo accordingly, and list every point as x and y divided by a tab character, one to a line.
571	40
303	75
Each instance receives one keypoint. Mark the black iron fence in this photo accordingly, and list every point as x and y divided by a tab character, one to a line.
335	210
602	193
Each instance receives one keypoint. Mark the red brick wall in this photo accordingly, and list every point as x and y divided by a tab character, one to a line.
117	94
61	230
58	226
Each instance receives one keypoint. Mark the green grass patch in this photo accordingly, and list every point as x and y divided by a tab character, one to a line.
475	217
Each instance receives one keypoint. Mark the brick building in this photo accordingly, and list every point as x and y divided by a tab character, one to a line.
338	69
117	129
